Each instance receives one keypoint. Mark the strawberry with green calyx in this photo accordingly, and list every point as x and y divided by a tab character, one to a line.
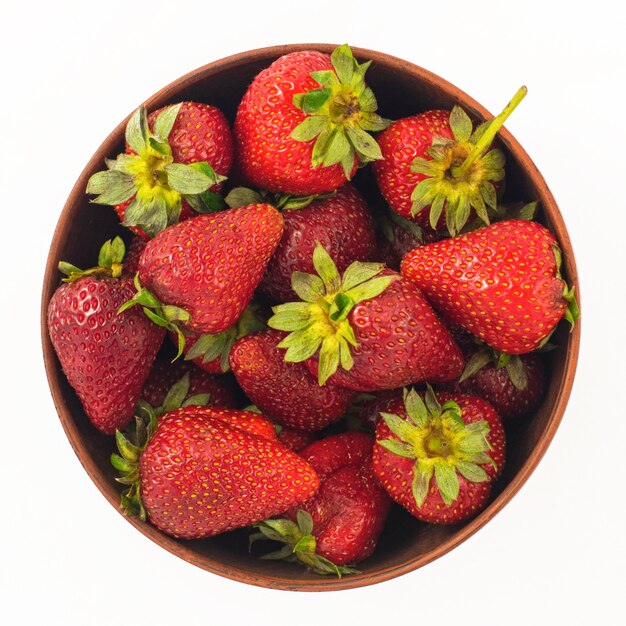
300	544
106	357
285	391
439	456
506	211
435	164
211	352
201	274
397	236
513	384
208	470
340	525
302	125
505	287
366	330
171	385
175	160
341	222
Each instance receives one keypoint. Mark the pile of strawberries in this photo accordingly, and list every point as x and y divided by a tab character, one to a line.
276	350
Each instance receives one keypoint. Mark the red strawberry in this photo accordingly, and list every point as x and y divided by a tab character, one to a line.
341	222
341	524
397	236
131	260
211	352
106	356
294	438
371	321
202	273
207	470
301	125
165	374
501	282
285	391
514	385
439	460
434	164
175	159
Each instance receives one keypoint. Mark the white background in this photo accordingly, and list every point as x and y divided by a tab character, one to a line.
72	70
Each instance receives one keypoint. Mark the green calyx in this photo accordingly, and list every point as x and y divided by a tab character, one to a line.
511	362
572	312
300	544
243	196
156	184
130	445
339	114
165	315
440	443
110	264
526	211
320	322
178	397
210	347
460	173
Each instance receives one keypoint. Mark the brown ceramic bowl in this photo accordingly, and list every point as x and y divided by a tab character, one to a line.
402	89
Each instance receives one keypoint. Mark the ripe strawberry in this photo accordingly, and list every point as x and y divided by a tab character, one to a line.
341	524
176	159
131	260
293	438
202	273
372	322
341	222
514	385
163	387
207	470
211	352
105	356
439	460
301	125
286	392
501	282
398	236
434	164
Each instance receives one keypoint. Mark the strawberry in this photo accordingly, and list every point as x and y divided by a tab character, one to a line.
439	461
501	282
435	165
293	438
211	352
176	159
206	470
201	274
131	260
301	127
284	391
372	322
513	384
163	386
341	524
340	222
397	236
105	356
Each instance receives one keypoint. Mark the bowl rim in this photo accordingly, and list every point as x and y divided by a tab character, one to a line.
268	54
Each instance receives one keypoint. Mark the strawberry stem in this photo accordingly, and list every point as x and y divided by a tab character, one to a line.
485	141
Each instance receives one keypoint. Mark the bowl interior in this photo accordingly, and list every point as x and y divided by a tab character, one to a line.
402	89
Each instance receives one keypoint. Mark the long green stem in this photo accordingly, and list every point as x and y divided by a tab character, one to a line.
485	141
